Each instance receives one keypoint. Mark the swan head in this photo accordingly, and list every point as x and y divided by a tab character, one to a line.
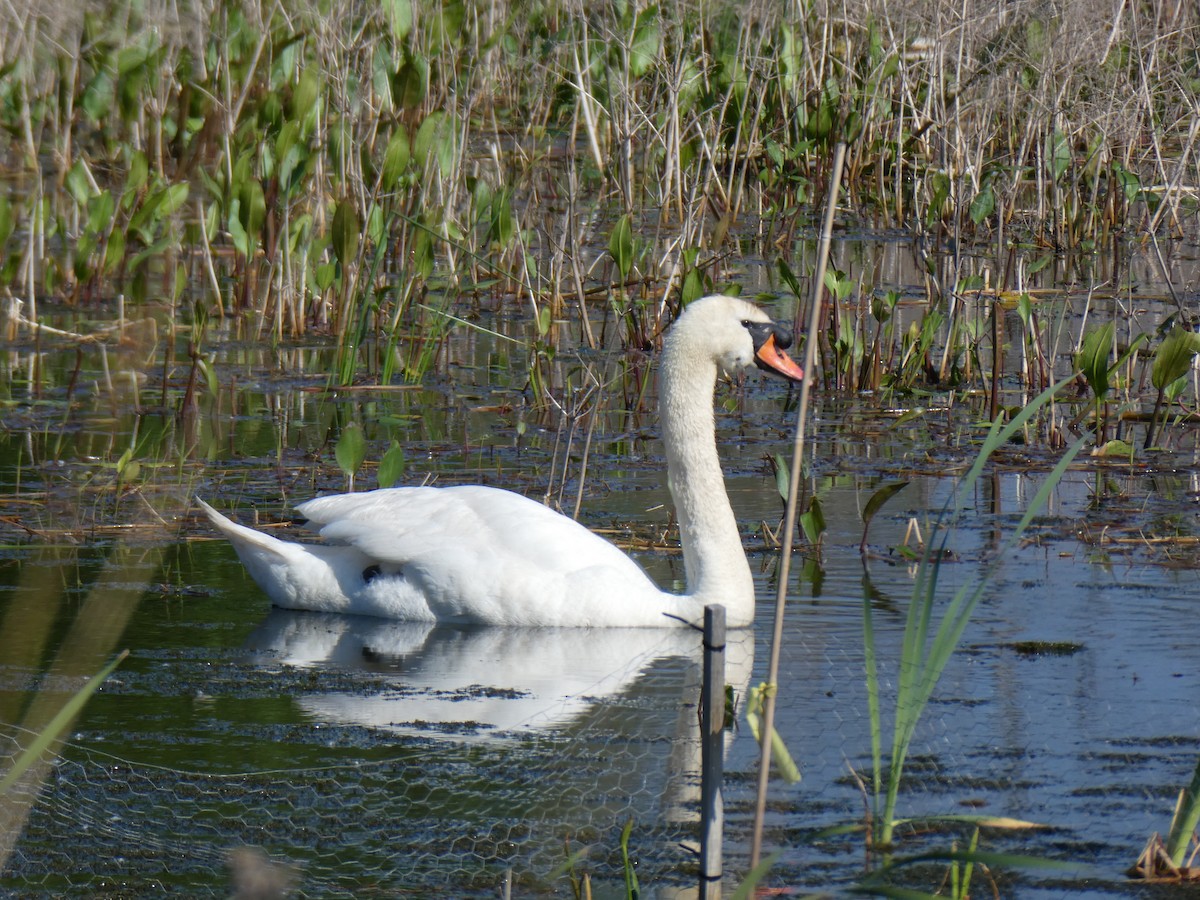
736	335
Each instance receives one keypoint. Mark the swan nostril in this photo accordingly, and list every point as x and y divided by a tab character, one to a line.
370	573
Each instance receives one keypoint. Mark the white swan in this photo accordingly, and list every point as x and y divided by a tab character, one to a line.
473	554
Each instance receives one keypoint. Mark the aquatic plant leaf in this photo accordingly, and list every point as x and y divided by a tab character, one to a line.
783	476
1128	181
1174	356
983	205
290	155
411	82
251	214
391	466
395	158
838	284
100	213
1092	359
114	252
303	108
435	142
351	449
60	723
1115	448
399	15
813	521
939	193
1185	820
1058	153
647	40
877	501
1039	263
620	245
789	278
78	182
1025	308
781	759
346	231
502	224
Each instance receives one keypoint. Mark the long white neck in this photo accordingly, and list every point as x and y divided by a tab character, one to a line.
714	559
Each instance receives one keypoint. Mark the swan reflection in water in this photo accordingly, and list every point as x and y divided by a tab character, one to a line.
490	682
539	735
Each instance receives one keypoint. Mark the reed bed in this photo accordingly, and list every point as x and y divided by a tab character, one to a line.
366	171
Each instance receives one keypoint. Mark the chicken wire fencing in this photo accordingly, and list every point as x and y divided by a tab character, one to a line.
435	761
369	758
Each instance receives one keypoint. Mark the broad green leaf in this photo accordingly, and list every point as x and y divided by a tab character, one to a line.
399	17
1128	181
1174	357
391	466
789	278
251	214
783	476
410	83
647	40
1093	358
983	205
620	245
78	182
290	154
813	522
879	498
1116	448
1025	308
838	284
395	158
351	449
303	108
346	231
435	142
502	223
1058	154
135	180
100	214
114	252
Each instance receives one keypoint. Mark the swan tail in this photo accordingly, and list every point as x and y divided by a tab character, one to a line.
242	537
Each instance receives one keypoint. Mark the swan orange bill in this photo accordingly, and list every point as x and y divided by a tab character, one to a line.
771	358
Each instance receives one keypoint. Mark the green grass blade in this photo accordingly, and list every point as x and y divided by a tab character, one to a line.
60	723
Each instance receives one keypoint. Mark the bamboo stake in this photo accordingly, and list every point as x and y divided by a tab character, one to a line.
789	528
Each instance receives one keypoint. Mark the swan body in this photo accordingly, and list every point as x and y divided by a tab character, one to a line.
474	554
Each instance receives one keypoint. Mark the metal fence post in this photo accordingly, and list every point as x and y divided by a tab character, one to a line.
712	727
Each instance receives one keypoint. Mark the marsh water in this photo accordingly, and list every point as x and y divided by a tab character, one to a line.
369	758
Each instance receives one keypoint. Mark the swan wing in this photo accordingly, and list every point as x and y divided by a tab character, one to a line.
483	554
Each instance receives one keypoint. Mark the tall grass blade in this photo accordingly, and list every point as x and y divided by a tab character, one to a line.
60	723
928	647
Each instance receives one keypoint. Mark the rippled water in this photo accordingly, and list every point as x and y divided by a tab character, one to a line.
382	758
373	758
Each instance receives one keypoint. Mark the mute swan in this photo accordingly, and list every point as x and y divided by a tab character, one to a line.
473	554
